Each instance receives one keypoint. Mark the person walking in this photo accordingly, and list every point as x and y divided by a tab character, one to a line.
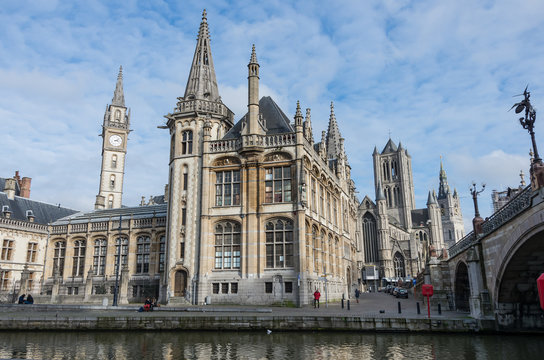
317	295
357	293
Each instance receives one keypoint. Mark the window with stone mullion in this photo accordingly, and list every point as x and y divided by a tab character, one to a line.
58	257
278	184
279	244
99	257
79	258
227	188
142	254
123	242
227	246
162	247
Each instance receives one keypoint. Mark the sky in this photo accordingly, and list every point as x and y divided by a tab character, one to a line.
438	76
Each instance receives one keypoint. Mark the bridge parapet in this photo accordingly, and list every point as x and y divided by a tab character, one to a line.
515	206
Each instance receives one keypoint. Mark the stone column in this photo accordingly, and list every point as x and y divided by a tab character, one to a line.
56	286
24	280
123	291
475	282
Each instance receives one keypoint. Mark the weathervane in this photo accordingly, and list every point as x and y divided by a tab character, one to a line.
528	122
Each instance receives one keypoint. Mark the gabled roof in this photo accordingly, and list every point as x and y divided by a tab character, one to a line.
43	213
389	147
275	120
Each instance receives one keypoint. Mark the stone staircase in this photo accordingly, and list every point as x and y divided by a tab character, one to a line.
178	301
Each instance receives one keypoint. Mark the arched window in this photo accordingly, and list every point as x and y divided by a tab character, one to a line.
123	243
394	173
323	255
112	181
99	256
449	233
370	238
143	245
315	246
331	255
117	115
279	243
398	263
114	161
58	257
187	142
110	202
79	258
162	248
227	245
314	207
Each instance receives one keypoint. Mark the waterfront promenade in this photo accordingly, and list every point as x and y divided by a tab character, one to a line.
374	312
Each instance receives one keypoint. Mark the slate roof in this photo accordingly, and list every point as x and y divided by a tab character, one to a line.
134	212
43	213
420	216
275	119
389	147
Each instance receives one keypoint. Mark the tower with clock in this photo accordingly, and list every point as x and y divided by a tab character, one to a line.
114	149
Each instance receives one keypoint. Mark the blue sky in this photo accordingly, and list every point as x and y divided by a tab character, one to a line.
439	76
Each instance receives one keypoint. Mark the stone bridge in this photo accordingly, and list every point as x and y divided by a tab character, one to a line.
494	273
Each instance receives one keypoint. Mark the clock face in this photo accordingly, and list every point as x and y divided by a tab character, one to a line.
116	140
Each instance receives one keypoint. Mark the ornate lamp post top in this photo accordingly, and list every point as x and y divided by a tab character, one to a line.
477	221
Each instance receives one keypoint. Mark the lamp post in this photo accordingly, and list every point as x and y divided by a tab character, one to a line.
477	221
116	291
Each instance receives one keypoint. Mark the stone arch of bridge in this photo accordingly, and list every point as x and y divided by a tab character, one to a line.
462	287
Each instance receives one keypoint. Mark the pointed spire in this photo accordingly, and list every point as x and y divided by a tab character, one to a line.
202	83
389	147
333	136
118	95
298	117
375	152
253	59
379	192
443	187
308	133
400	147
431	199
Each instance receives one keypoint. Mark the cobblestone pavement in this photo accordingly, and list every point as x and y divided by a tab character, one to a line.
369	306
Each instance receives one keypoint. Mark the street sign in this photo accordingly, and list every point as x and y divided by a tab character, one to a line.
427	290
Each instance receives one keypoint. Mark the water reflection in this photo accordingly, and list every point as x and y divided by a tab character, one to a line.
259	345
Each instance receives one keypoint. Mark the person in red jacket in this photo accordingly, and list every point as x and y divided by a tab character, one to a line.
317	295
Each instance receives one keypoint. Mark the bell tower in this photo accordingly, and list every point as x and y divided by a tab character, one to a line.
115	131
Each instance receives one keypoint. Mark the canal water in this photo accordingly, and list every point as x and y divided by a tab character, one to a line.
260	345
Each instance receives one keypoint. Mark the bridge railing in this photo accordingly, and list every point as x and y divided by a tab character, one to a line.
515	206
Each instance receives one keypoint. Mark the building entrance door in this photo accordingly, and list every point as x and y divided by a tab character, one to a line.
180	283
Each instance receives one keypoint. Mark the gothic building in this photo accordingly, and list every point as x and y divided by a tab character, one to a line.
398	239
256	211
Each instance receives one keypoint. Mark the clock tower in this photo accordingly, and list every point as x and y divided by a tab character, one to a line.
114	149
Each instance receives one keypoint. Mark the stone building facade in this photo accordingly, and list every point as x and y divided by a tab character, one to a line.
398	240
255	211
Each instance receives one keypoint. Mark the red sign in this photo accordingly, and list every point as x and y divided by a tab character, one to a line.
540	285
427	290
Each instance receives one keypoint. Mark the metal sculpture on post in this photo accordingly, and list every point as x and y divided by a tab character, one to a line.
528	123
477	221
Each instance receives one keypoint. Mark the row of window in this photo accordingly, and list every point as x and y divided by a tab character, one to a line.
325	248
143	251
232	288
5	277
8	248
324	203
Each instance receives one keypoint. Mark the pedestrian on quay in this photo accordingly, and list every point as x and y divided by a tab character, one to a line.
29	299
357	293
317	295
21	299
147	304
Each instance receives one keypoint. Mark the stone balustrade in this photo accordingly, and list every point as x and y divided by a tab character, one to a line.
267	141
203	105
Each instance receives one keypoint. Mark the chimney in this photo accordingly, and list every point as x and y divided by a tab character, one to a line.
9	188
30	216
100	203
24	186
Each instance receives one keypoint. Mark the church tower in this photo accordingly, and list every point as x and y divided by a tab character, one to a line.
450	210
199	117
393	169
115	131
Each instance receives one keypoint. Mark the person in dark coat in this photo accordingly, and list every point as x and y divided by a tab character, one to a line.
29	299
357	293
21	299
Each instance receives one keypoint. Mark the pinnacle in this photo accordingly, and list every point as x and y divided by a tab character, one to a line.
253	59
204	14
298	113
118	95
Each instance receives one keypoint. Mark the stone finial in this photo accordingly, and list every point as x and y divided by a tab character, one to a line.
204	15
522	176
253	59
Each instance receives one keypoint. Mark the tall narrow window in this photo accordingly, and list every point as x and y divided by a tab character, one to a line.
123	243
185	179
328	206
114	161
4	279
227	188
279	244
112	181
398	263
370	239
31	252
30	282
314	206
78	263
162	249
110	201
335	212
331	255
315	245
142	254
321	201
183	216
227	245
117	115
278	185
182	249
58	257
7	249
187	142
99	256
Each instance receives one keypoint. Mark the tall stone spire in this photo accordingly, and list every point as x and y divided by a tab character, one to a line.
443	188
253	125
118	95
333	136
308	133
202	83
